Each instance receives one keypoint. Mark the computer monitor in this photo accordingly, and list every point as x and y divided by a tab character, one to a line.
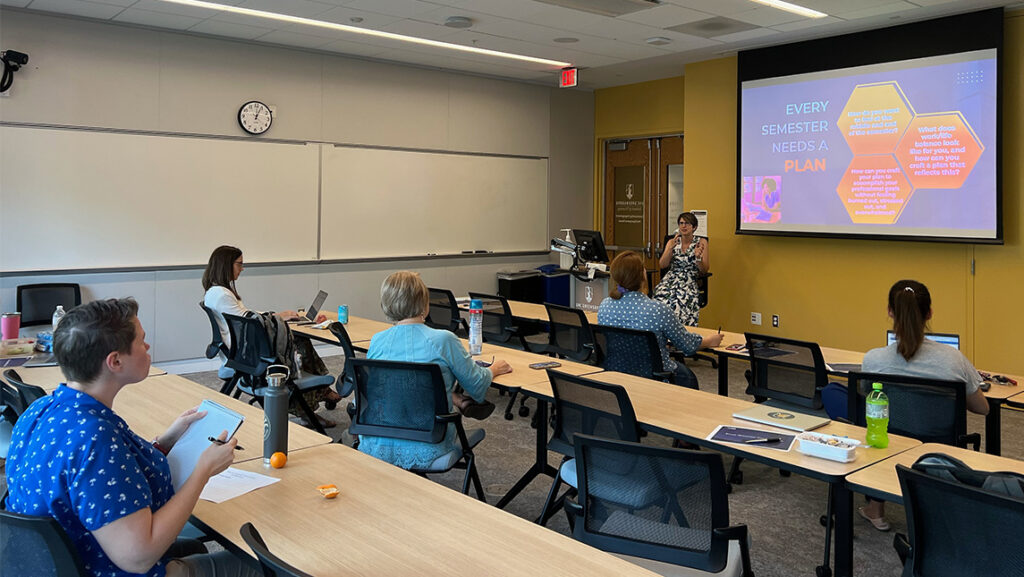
944	338
590	245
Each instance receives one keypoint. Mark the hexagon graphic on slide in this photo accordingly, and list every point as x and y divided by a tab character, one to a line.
875	117
874	189
939	150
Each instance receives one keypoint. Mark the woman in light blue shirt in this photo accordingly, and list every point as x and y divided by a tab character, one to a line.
405	301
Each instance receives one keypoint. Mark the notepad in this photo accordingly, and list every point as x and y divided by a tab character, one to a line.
185	454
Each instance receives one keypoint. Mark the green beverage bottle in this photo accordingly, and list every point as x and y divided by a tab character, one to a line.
877	413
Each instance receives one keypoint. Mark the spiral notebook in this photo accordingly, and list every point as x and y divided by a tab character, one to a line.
183	457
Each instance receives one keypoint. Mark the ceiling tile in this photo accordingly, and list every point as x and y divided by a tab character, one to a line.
177	9
15	3
420	29
746	35
880	10
515	9
301	8
766	16
401	8
157	19
665	15
717	7
344	15
565	19
77	8
230	29
808	23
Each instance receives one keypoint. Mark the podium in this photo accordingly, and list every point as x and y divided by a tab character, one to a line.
586	294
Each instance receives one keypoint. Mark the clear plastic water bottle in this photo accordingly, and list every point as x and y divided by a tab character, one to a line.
877	413
275	412
476	327
58	315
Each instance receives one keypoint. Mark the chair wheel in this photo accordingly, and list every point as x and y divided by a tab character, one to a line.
823	571
728	488
736	478
823	520
783	473
524	411
508	416
330	405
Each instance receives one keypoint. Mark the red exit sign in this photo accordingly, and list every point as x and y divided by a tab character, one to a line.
567	79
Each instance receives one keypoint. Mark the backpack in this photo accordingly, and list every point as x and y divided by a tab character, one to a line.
951	469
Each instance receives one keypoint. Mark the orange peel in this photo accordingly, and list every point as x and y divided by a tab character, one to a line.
328	491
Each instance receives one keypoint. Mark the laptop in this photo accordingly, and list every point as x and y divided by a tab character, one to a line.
312	311
944	338
783	418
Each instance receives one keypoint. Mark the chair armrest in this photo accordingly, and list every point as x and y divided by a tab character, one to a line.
313	382
351	410
902	547
663	376
456	418
843	420
973	439
738	533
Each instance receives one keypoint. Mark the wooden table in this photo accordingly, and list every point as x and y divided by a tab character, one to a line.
387	521
48	378
359	329
150	406
880	480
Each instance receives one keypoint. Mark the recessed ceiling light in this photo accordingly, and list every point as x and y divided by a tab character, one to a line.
566	40
366	31
658	41
788	7
458	22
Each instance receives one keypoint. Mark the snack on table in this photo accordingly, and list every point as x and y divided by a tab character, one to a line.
328	491
831	447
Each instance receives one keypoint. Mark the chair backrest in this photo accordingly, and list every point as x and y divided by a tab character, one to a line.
10	399
955	529
930	410
652	502
786	369
250	352
36	546
444	310
26	393
498	323
272	565
346	381
591	408
399	400
569	332
36	302
216	340
627	350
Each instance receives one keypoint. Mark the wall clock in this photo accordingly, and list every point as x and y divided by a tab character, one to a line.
255	117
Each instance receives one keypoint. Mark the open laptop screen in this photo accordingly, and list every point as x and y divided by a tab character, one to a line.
944	338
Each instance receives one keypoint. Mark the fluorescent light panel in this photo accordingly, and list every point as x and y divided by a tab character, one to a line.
365	31
807	12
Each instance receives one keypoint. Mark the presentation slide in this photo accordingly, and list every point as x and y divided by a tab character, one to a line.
901	148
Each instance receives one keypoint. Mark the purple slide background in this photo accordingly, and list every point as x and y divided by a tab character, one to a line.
810	197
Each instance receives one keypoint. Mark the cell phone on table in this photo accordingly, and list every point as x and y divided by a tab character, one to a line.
736	347
545	365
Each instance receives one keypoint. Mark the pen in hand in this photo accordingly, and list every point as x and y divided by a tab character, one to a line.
719	329
219	442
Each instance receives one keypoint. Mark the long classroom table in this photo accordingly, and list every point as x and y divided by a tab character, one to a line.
387	521
48	378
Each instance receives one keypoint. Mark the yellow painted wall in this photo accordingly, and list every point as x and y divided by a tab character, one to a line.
834	291
644	109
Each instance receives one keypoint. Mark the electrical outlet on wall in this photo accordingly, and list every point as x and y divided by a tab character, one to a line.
755	319
775	321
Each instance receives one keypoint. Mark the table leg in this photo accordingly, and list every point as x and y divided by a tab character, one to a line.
723	375
540	465
842	505
993	427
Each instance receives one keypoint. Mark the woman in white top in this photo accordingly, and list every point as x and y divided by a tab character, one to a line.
222	270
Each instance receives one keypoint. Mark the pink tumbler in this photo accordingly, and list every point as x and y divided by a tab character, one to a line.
10	324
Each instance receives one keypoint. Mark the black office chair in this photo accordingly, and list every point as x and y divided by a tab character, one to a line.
346	382
444	312
217	346
11	400
499	326
569	334
36	302
410	401
251	353
590	408
26	393
36	546
954	529
271	564
629	351
657	507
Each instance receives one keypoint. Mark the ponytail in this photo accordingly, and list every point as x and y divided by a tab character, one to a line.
910	303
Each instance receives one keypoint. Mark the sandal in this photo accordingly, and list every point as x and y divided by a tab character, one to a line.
878	523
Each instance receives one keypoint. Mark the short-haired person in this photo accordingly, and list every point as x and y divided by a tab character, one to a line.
686	257
406	301
628	307
74	459
913	355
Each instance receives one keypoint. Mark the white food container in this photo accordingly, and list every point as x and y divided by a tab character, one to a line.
831	447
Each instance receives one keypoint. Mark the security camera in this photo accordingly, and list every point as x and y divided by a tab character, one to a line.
14	59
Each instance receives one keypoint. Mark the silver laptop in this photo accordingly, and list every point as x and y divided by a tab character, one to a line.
944	338
312	311
783	418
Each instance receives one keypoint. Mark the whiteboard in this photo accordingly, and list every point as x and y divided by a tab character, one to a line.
75	199
390	203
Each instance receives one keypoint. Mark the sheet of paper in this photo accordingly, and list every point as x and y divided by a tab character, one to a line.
233	483
185	453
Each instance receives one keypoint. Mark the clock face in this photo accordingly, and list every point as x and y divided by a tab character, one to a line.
254	117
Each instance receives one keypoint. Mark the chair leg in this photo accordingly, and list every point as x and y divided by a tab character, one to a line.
474	475
229	385
824	570
512	394
550	506
735	475
310	415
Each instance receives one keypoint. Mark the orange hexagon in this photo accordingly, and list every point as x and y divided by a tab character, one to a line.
874	189
939	150
875	117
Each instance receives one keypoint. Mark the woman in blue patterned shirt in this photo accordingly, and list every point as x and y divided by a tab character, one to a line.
74	459
628	307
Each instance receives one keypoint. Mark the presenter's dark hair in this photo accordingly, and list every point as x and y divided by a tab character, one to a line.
220	270
910	304
688	217
627	272
90	332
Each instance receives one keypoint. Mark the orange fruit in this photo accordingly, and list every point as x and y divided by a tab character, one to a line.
328	491
278	459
